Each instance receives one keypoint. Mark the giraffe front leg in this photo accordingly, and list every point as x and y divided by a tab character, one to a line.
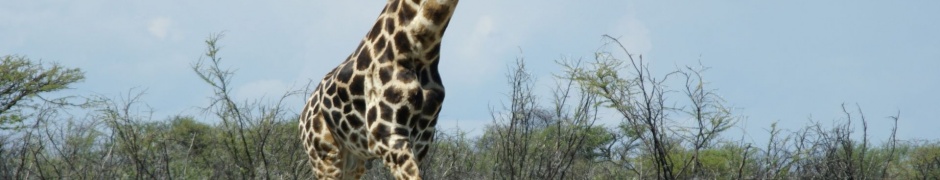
423	145
326	162
354	167
327	167
401	160
325	156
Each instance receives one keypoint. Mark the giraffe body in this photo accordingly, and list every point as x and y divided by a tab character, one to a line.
383	101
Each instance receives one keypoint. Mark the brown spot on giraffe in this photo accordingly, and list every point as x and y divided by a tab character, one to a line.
382	102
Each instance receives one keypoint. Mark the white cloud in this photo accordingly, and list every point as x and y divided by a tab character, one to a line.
473	127
477	52
159	27
269	89
633	33
484	27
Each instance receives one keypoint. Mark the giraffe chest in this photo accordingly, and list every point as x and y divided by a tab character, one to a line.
370	111
403	109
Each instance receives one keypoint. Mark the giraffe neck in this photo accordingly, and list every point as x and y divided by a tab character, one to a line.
410	30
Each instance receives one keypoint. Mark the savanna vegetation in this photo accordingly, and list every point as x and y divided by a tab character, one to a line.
664	132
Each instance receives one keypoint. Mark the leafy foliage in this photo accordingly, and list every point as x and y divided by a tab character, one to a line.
661	133
22	80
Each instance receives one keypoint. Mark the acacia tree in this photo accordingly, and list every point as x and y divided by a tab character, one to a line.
22	80
254	136
639	99
628	87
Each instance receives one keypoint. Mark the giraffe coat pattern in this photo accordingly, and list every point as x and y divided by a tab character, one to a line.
383	101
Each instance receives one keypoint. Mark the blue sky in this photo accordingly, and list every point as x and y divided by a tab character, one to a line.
781	61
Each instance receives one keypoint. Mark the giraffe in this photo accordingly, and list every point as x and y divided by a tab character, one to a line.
382	102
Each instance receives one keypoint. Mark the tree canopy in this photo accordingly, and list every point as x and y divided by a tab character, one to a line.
22	80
